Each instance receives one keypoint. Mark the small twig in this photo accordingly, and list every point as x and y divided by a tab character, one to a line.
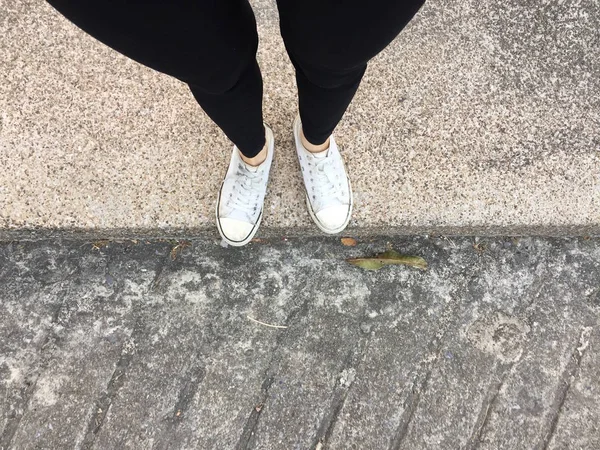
175	251
100	244
266	324
449	240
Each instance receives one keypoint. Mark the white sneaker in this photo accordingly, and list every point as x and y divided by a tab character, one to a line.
240	203
328	189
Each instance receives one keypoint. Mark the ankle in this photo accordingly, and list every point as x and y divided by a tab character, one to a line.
256	160
312	148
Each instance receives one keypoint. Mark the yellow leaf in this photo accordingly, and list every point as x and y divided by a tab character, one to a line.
386	258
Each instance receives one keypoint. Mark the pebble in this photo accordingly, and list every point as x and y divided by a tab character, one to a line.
365	327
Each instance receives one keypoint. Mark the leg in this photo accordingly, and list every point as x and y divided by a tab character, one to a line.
210	45
330	44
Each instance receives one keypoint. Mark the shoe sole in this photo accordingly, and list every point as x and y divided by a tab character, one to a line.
256	225
309	206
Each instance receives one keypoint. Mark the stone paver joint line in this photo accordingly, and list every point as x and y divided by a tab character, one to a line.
566	379
340	391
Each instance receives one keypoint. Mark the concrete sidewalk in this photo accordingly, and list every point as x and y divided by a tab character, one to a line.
482	117
119	346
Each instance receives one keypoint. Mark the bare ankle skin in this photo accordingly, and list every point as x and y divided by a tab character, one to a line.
313	148
256	160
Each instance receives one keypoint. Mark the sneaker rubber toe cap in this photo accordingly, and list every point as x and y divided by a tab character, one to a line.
333	217
235	230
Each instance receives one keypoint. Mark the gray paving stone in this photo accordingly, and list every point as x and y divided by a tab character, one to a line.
577	425
533	391
113	345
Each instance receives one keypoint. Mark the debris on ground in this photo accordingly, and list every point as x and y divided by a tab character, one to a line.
97	245
349	242
178	248
479	246
386	258
265	324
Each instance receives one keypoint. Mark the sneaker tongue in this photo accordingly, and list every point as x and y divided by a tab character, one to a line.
322	154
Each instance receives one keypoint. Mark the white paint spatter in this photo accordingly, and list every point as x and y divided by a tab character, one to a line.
347	377
15	371
47	390
584	340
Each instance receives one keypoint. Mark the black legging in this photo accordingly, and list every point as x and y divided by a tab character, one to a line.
211	45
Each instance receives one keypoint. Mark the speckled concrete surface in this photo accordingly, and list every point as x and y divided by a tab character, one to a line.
480	117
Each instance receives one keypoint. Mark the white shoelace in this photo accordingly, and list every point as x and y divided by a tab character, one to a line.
246	191
327	187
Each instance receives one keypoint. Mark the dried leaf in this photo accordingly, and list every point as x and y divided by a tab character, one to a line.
480	247
386	258
366	263
349	242
100	244
175	251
